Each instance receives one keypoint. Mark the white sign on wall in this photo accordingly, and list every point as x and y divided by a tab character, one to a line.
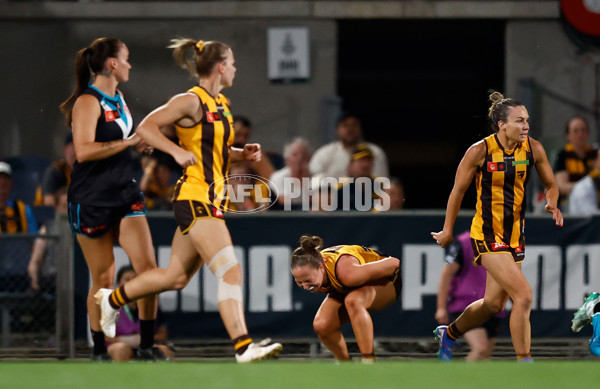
288	54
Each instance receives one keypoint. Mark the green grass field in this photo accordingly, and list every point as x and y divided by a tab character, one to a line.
301	374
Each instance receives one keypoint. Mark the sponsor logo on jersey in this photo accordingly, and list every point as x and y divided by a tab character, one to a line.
496	166
525	162
111	116
212	117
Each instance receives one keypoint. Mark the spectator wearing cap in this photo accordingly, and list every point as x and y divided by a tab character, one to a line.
58	175
355	192
15	215
333	159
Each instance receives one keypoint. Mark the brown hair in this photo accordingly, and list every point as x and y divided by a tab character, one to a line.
206	55
308	253
500	108
568	124
89	61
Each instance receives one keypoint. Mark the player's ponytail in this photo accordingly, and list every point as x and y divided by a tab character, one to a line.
308	253
206	55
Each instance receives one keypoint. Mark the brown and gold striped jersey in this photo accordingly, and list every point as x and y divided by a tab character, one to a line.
331	255
575	166
500	184
209	140
13	218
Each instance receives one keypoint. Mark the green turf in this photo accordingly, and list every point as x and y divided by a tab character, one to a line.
301	374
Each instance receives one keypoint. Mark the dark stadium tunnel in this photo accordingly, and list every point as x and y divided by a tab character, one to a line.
420	88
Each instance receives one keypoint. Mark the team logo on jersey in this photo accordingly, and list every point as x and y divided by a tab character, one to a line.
111	116
212	117
118	113
496	166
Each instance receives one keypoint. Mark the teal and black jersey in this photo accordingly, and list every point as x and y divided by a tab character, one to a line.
110	181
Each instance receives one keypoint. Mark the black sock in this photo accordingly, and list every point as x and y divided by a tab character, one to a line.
146	333
240	344
99	343
596	308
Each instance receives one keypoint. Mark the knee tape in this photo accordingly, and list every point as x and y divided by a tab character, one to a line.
227	291
219	265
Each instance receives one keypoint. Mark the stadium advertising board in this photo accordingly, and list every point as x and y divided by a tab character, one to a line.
561	265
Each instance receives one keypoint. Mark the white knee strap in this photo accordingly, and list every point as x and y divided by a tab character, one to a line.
227	291
219	265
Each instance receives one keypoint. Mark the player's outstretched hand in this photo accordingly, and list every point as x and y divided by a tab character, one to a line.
442	238
556	214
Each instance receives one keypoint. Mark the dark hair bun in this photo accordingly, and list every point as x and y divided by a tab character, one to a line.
310	243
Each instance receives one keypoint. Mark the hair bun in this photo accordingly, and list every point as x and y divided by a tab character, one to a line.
495	97
309	243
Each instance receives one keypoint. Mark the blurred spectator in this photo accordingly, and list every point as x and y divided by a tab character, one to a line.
243	130
332	160
585	196
58	174
576	159
297	157
123	347
356	192
156	183
15	215
361	162
271	160
246	193
396	195
42	266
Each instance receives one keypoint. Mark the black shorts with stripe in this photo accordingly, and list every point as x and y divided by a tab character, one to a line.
187	211
481	247
95	222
